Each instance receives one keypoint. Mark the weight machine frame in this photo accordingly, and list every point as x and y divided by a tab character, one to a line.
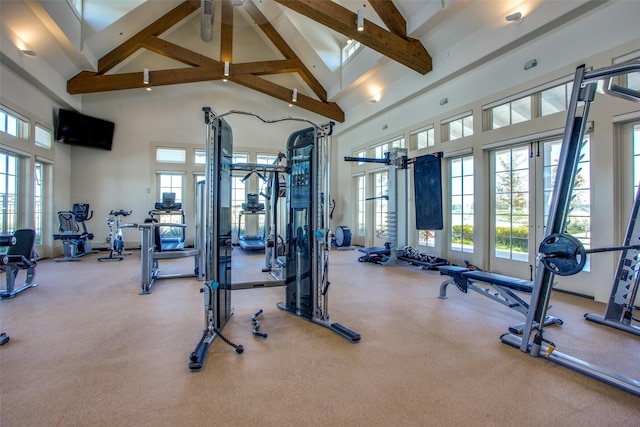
584	90
215	233
396	159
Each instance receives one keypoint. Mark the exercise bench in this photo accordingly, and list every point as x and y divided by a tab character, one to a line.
20	255
504	288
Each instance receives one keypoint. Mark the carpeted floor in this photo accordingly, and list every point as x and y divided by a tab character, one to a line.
87	350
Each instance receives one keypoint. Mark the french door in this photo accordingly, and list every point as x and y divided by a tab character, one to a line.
523	178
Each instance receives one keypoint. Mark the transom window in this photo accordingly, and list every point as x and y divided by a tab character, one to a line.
457	127
13	124
422	138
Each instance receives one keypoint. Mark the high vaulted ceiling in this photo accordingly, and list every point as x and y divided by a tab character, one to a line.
393	43
275	46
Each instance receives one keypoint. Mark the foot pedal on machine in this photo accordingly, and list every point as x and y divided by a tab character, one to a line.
349	334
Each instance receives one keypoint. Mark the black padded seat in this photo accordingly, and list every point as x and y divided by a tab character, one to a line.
452	270
498	279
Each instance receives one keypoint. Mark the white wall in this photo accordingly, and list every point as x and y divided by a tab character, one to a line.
124	178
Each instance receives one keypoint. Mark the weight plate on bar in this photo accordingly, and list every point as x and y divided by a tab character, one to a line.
562	254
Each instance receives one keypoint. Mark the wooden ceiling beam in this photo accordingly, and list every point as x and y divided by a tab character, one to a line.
90	82
407	51
158	27
173	51
330	110
391	16
284	48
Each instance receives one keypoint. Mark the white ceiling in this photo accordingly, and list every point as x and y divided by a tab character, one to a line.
458	34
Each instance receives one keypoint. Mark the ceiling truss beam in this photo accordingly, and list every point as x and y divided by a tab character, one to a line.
407	51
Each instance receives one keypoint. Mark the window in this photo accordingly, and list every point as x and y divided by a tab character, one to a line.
512	203
362	197
555	99
380	150
350	49
263	159
13	124
199	157
76	5
462	200
266	159
43	136
427	238
381	194
539	102
458	127
8	193
513	112
38	189
171	183
238	192
422	138
171	155
361	154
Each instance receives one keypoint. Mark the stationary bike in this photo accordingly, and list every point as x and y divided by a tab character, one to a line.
115	239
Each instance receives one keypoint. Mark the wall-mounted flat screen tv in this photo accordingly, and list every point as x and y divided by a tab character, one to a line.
78	129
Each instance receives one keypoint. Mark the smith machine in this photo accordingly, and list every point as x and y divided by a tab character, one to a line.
308	234
560	254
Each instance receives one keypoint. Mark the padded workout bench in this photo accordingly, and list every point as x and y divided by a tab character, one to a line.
465	278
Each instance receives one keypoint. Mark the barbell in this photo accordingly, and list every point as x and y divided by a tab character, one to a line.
565	255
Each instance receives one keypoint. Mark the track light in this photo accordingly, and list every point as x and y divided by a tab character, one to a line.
294	96
145	76
514	17
28	52
444	101
360	20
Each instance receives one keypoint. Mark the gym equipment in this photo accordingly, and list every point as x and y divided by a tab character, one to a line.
427	188
422	259
151	253
172	233
214	205
620	307
376	254
252	206
584	91
165	240
564	255
428	199
504	287
308	234
115	239
256	325
20	256
306	267
75	244
275	195
342	238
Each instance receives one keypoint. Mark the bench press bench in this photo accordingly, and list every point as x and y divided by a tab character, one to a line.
504	287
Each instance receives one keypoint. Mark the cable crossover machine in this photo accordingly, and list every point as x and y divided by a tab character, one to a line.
308	234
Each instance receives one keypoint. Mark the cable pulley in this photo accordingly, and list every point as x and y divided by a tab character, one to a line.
564	255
